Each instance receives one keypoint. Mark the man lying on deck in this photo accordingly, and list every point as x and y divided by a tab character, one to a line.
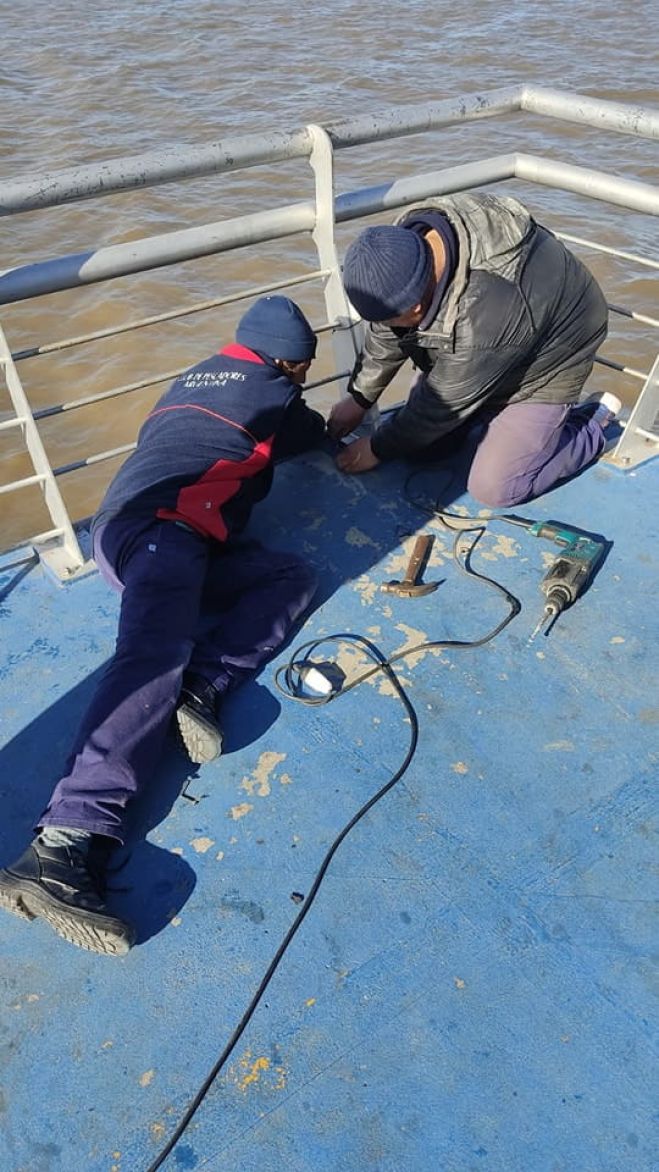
201	609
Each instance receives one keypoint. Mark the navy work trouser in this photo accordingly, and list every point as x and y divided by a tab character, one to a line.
186	604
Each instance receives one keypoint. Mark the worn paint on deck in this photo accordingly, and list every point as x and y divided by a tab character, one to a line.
474	987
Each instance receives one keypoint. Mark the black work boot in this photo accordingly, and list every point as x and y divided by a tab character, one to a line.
196	716
61	885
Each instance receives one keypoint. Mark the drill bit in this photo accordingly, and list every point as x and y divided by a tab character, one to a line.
544	618
547	618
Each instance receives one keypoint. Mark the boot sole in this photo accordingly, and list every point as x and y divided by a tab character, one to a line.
202	740
101	934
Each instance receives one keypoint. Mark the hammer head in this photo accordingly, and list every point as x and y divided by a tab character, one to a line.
407	590
409	587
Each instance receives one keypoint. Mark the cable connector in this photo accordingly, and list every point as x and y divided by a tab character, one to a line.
316	682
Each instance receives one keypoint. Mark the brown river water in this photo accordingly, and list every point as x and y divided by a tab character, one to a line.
82	83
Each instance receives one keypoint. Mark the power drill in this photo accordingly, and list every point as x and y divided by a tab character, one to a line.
569	573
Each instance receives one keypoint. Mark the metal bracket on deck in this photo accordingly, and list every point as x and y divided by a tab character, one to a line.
58	548
60	562
640	439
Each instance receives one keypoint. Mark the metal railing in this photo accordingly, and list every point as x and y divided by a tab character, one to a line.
61	540
317	218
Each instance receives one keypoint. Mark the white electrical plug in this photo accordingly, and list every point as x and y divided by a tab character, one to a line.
319	681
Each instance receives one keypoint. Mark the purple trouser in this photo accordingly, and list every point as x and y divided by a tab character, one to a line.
527	447
186	604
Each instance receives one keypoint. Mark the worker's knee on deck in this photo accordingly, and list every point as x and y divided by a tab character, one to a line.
494	492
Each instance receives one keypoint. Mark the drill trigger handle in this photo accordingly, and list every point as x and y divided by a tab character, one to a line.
552	533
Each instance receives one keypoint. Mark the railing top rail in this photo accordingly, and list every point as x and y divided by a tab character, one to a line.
174	163
114	260
620	117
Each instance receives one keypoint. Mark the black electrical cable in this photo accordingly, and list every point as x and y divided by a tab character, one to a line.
381	664
292	690
457	521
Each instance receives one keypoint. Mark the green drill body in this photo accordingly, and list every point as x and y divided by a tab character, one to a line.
569	572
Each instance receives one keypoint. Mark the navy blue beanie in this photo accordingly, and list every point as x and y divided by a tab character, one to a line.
386	271
276	326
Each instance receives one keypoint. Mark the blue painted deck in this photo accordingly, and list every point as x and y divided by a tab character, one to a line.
474	987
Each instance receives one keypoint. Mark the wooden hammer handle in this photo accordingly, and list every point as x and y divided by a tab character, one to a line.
419	555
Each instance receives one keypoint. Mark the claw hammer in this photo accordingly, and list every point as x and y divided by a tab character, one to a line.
409	587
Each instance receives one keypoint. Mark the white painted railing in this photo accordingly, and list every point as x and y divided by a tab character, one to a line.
318	218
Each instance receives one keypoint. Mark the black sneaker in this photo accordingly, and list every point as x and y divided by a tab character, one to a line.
59	884
196	716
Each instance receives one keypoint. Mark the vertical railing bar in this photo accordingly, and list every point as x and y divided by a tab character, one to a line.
348	332
639	441
53	498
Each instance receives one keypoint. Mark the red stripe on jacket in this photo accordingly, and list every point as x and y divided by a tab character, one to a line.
199	504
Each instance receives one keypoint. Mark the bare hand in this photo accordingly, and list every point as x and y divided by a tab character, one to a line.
357	457
345	416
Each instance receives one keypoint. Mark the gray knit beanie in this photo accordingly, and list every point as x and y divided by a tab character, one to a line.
386	271
277	327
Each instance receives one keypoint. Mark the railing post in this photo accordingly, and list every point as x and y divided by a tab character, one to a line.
640	439
61	552
348	333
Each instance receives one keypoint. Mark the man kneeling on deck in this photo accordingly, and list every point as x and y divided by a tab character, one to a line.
503	323
200	610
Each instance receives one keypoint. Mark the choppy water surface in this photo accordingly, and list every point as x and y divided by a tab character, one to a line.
82	83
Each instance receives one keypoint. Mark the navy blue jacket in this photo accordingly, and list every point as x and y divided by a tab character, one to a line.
205	453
